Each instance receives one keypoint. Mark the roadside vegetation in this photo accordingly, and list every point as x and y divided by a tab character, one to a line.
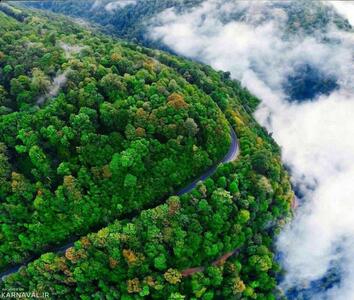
107	146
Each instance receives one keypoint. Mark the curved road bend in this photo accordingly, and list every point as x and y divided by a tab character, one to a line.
230	156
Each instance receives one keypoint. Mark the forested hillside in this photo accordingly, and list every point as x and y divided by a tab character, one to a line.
95	131
123	132
135	20
128	19
131	19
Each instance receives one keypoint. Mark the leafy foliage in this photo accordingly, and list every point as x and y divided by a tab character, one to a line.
132	21
129	126
183	248
124	131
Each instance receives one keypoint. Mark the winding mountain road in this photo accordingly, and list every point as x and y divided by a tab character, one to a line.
231	155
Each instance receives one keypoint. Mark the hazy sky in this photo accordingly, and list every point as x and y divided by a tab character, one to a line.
316	137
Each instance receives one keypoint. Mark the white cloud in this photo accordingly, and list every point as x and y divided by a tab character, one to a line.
345	8
111	6
70	49
96	4
115	5
316	137
58	82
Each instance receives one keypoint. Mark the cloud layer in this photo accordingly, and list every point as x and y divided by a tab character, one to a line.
112	6
345	8
316	136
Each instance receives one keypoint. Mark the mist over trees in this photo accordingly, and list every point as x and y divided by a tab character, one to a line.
100	162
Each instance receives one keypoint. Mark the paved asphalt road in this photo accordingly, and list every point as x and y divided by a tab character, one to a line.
230	156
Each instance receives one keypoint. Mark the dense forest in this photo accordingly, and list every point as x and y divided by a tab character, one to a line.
123	132
129	21
132	20
97	133
135	20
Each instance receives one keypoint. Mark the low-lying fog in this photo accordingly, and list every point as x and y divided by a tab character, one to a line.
306	86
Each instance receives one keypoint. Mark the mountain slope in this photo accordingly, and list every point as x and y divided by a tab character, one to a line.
297	57
138	20
126	128
132	21
92	134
